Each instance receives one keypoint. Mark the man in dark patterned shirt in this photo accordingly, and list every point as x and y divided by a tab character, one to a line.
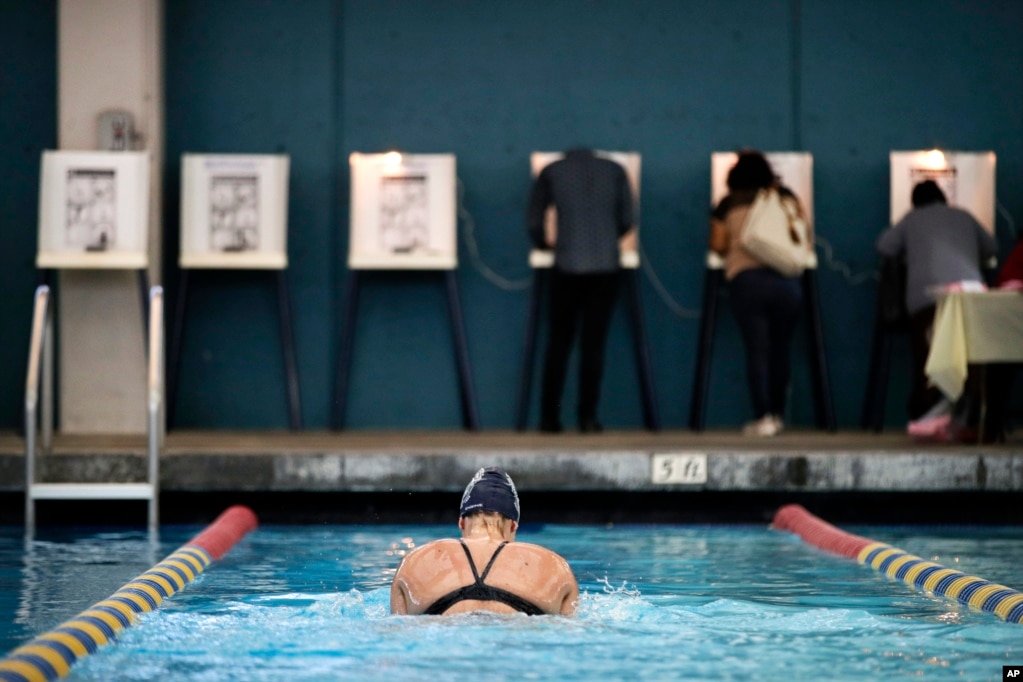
593	202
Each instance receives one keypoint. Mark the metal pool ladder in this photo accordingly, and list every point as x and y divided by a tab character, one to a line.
40	379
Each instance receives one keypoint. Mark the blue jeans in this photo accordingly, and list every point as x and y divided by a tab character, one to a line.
766	305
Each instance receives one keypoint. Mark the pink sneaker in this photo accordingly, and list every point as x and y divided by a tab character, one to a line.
931	429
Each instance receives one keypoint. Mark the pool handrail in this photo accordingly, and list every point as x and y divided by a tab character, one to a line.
156	419
40	371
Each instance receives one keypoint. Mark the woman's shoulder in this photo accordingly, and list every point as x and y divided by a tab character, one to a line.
528	548
733	200
431	549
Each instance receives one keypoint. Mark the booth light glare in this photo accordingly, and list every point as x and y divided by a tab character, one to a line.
935	160
392	158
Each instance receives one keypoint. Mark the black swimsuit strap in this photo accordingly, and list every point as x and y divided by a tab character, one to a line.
481	577
472	564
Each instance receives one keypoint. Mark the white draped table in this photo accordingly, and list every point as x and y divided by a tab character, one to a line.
973	327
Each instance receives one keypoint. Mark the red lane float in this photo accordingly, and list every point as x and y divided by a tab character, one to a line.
230	527
818	532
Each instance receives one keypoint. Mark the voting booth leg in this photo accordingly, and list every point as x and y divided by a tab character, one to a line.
884	371
874	399
143	280
982	388
819	368
174	347
529	348
350	301
470	418
704	350
288	349
651	418
287	343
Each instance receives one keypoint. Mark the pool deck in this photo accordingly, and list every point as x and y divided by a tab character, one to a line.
614	469
391	461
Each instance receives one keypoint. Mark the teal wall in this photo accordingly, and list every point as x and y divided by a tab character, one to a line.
674	80
28	119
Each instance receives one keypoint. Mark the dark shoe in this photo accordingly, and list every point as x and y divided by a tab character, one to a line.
590	426
550	427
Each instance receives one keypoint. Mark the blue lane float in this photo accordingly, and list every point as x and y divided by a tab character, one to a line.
51	655
1004	602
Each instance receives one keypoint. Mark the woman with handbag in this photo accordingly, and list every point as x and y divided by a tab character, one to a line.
766	301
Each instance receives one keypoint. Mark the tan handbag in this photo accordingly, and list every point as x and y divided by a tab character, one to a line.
776	235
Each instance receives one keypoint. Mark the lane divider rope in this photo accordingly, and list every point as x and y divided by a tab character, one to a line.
51	655
1004	602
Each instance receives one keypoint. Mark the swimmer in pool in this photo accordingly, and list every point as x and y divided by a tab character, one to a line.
485	570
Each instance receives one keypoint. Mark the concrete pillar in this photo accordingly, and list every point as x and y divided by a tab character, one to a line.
110	56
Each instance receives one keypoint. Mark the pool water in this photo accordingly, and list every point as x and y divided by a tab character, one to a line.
658	603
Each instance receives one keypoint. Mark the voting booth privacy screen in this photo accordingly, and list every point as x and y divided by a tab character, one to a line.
794	169
94	210
403	212
234	211
966	178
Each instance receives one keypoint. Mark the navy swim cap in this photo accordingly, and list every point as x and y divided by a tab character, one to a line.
491	489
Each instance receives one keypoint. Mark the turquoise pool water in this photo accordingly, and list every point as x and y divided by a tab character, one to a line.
658	603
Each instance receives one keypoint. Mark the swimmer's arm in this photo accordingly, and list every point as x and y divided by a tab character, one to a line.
399	601
570	601
399	606
571	597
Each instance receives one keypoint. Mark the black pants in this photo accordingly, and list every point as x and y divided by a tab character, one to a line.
922	397
766	305
584	302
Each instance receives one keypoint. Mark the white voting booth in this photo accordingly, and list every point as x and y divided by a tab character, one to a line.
404	217
542	260
234	216
966	178
94	210
234	211
968	182
795	171
403	212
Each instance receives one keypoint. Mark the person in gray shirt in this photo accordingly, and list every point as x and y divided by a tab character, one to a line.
942	245
594	210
